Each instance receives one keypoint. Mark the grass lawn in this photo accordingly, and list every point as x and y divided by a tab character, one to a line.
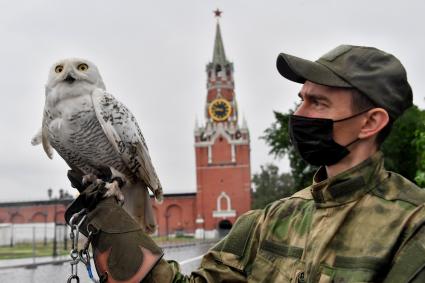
25	250
180	239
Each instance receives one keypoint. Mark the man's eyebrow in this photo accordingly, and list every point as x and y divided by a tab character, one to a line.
315	96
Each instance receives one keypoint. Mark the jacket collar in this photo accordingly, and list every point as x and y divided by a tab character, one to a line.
348	185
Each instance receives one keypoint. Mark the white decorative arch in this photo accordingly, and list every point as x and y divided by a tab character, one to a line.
227	199
220	131
220	213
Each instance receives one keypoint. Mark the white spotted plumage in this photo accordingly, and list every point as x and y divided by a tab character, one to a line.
92	130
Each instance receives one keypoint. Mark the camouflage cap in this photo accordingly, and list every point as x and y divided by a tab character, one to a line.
378	75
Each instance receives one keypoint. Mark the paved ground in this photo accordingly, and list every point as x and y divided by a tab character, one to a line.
188	256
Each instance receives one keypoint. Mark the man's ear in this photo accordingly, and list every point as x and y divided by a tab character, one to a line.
375	120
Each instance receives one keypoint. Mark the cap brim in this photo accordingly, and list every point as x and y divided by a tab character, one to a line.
300	70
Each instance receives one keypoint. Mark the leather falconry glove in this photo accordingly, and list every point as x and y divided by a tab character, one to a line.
122	252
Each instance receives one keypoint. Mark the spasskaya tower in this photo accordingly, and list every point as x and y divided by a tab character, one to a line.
222	150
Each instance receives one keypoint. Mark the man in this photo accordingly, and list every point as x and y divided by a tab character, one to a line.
356	222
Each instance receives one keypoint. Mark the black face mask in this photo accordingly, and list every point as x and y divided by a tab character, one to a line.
313	139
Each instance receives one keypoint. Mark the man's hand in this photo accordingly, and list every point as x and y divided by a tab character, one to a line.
122	251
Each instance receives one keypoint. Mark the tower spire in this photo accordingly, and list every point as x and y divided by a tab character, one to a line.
219	56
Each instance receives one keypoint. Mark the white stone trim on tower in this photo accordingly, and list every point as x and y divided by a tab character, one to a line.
209	154
220	213
200	232
219	92
221	196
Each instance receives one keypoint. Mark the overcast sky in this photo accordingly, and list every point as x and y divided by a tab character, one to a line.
152	56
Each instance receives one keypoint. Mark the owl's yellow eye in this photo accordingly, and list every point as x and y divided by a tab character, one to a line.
82	67
59	69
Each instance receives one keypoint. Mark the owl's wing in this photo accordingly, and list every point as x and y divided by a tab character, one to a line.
124	134
44	133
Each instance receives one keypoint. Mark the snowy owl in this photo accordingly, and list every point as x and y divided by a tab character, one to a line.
91	131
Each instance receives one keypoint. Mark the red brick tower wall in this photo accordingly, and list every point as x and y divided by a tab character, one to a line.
232	178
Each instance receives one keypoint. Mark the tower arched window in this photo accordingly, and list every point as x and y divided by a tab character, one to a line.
228	73
223	198
217	69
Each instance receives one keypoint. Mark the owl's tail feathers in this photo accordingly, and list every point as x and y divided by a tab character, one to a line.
138	204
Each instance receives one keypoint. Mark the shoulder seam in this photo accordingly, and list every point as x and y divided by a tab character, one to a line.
375	192
395	199
301	194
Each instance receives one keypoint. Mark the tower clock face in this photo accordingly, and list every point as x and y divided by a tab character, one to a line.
220	109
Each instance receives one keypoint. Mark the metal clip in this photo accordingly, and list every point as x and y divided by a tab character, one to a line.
73	276
82	255
75	225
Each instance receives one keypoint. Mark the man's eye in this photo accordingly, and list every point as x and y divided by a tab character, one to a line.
318	102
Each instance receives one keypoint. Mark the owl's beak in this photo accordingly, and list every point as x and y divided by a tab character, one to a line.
69	79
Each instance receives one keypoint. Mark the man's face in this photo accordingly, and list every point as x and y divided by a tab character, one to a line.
319	101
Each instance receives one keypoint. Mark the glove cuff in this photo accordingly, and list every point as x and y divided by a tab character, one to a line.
122	251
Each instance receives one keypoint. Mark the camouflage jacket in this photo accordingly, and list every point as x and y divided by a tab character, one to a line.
363	225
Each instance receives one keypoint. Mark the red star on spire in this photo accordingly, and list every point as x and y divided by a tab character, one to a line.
218	13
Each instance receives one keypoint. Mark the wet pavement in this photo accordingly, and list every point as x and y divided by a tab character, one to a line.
188	256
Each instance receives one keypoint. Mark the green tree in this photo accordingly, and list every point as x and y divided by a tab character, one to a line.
402	154
403	149
270	185
420	146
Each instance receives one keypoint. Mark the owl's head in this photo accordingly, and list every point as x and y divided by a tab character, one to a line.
74	71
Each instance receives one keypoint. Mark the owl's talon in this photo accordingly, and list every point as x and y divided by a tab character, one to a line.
89	179
113	189
119	180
